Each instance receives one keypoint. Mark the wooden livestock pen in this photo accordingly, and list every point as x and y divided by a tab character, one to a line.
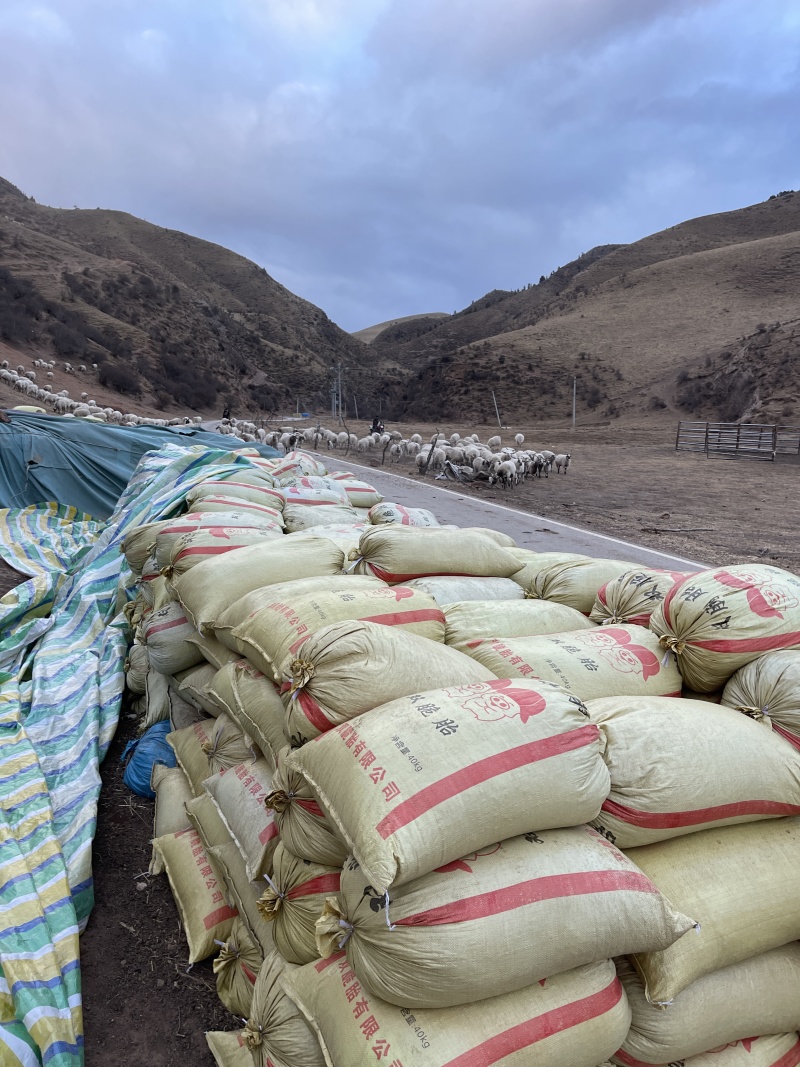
739	440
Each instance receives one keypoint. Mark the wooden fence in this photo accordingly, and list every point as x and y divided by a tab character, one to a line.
735	440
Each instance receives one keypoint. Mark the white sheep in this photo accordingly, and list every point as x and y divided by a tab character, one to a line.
82	367
562	462
50	375
519	439
505	473
494	442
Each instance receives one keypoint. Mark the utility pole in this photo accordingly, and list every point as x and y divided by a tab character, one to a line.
497	413
339	369
574	393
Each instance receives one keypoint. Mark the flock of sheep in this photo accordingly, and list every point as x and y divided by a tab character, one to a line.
26	381
465	457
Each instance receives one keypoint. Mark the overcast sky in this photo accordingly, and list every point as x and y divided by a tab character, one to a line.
387	157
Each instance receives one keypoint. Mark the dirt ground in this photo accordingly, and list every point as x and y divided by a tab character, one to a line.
141	1004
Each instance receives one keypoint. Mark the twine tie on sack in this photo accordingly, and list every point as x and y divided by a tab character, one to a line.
302	671
671	644
757	714
166	572
386	906
345	925
274	888
252	1035
278	800
356	560
531	594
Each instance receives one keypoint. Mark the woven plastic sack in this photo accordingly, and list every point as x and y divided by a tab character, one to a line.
305	829
570	1020
253	490
276	1032
151	575
166	634
344	537
209	746
300	517
532	562
138	545
192	684
209	505
236	967
497	920
252	700
768	690
716	621
142	755
156	700
198	889
446	591
282	626
633	596
426	779
740	883
360	494
209	588
137	665
211	541
243	893
314	491
661	787
758	996
293	900
575	582
397	555
238	793
596	662
228	1048
297	464
775	1050
472	619
212	650
383	514
172	531
172	790
351	667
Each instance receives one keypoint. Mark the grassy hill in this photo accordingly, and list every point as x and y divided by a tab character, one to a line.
167	317
632	324
410	325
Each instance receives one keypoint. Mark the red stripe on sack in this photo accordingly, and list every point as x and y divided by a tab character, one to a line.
629	1061
165	626
483	771
793	739
406	618
667	602
241	505
751	644
543	1026
300	641
268	833
311	806
251	976
601	595
673	820
322	965
532	891
639	620
325	883
314	503
206	550
398	579
219	916
313	712
790	1058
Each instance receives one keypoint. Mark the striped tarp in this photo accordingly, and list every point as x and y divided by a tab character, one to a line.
63	640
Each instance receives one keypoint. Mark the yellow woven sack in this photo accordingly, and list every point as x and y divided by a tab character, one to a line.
768	689
199	891
570	1020
469	620
740	883
591	663
174	529
228	1048
293	900
299	517
276	1032
497	920
251	700
242	892
213	651
285	621
428	778
209	588
209	746
575	582
305	829
532	562
351	667
239	793
716	621
211	541
172	790
661	787
166	632
448	590
398	554
192	684
236	967
633	596
758	996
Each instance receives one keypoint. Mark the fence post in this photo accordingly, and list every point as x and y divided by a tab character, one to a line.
705	449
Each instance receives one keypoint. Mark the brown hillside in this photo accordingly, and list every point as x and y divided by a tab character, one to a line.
627	337
168	317
412	324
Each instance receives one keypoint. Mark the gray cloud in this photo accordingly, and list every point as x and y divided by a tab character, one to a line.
382	157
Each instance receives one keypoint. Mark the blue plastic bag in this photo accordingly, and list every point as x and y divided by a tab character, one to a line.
141	755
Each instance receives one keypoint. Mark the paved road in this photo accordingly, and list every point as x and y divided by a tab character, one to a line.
528	530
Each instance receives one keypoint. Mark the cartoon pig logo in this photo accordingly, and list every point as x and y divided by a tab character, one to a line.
496	700
618	650
767	598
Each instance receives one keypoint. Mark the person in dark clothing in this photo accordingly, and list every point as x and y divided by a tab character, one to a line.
377	425
226	411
